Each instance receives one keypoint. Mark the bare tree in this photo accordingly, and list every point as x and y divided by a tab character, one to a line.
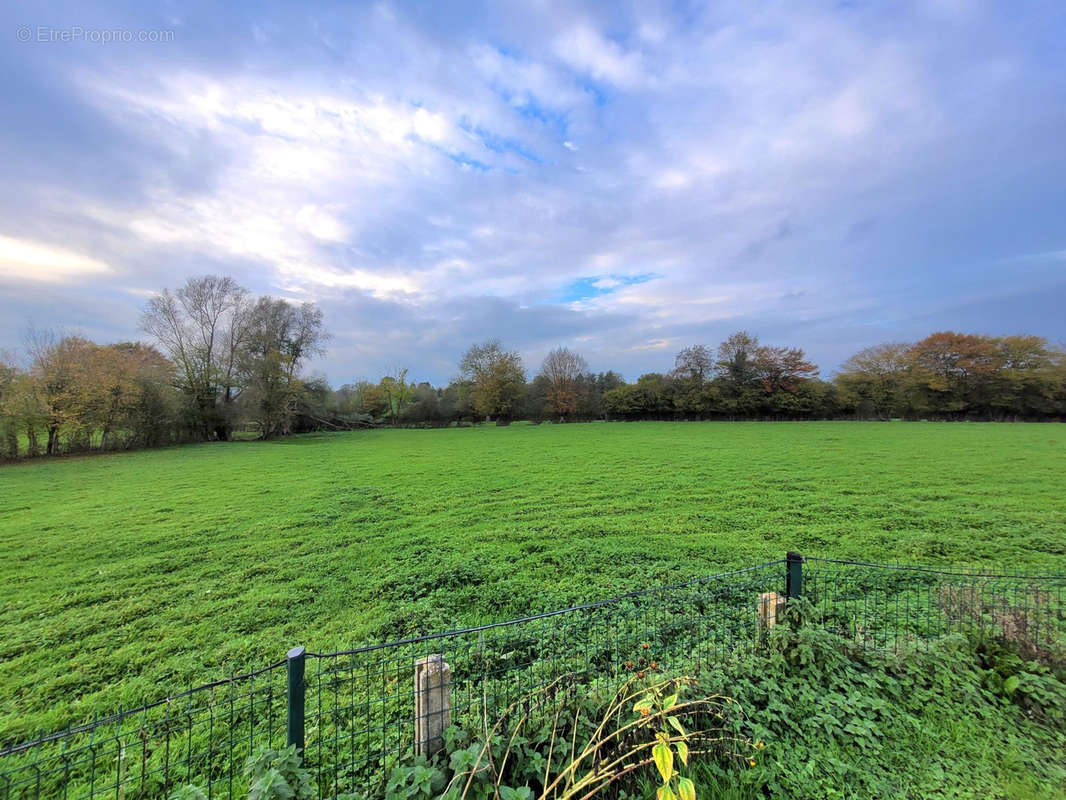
563	370
202	327
782	368
735	365
694	362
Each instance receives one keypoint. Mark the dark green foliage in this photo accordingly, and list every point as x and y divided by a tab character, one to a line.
839	721
418	781
278	775
273	774
828	720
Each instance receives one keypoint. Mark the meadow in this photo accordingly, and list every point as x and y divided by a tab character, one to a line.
130	576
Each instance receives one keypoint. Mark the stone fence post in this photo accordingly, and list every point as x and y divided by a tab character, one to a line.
433	703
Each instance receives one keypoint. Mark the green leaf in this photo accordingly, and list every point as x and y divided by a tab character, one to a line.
1011	684
271	785
664	761
670	701
686	789
676	724
643	706
664	793
682	752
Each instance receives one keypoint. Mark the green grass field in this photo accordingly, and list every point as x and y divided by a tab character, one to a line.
129	576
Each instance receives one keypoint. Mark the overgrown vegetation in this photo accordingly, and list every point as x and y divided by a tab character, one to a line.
961	718
131	576
272	774
814	715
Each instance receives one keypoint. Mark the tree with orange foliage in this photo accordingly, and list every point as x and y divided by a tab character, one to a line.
781	369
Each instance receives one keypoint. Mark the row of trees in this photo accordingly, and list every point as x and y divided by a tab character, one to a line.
944	376
77	394
957	376
221	360
235	357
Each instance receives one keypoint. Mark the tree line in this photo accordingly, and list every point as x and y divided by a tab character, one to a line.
945	376
219	360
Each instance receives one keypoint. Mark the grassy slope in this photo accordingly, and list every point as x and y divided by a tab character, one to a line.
166	568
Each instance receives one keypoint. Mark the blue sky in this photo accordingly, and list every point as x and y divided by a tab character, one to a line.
624	179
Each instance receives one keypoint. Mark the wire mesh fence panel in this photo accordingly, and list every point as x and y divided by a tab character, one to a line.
894	606
362	721
201	737
358	708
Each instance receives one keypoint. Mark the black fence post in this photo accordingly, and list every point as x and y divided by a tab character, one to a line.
294	727
793	575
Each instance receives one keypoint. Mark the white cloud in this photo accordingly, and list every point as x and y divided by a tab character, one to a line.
733	154
24	260
588	51
304	164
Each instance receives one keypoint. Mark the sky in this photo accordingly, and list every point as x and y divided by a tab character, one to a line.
624	179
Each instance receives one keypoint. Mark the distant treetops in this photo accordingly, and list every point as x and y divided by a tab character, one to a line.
221	361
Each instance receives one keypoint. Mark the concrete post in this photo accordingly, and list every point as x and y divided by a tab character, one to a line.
433	703
771	605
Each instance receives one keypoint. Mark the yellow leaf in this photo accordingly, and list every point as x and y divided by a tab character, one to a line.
670	701
664	793
682	752
686	789
664	761
677	725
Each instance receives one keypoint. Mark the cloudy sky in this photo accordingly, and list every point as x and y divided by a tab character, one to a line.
623	179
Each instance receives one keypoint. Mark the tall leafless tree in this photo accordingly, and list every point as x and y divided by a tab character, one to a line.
202	327
562	370
695	362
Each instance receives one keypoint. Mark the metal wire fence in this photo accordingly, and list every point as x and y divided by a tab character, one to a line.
888	606
353	712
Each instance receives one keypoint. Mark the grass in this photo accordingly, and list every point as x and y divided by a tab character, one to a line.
129	576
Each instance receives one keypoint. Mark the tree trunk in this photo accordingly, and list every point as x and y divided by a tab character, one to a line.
52	447
11	439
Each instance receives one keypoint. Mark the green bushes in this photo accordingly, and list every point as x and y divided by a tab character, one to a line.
813	715
809	715
272	775
961	718
570	741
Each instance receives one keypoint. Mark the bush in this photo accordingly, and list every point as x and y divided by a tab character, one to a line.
959	718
